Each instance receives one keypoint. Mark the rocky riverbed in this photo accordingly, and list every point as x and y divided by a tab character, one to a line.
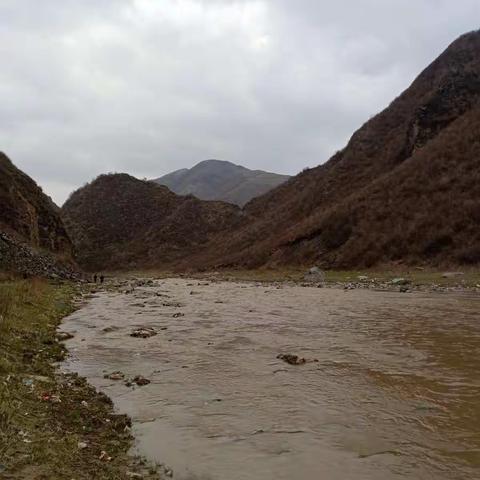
258	381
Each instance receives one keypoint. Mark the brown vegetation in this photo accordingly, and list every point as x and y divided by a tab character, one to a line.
404	190
118	222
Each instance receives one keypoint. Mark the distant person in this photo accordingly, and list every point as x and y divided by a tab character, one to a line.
102	278
95	278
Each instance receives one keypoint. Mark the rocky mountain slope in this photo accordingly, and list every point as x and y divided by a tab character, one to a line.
33	239
405	189
118	223
220	180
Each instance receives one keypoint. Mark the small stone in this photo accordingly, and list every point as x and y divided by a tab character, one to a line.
62	336
115	376
143	332
105	457
138	380
109	329
82	445
291	359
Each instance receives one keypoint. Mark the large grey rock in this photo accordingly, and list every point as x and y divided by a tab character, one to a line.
315	275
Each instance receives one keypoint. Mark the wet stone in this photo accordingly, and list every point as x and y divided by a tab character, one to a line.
291	359
62	336
115	376
295	359
138	380
146	332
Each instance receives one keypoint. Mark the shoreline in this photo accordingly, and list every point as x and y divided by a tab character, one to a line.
67	428
403	281
53	424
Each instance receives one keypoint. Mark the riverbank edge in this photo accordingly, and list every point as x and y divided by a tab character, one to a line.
52	424
398	280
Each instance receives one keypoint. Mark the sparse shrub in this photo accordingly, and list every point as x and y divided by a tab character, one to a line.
469	255
336	230
437	245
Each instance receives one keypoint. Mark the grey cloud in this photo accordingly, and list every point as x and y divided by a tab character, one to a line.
147	87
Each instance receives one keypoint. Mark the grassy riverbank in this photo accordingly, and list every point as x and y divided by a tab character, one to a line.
52	426
421	277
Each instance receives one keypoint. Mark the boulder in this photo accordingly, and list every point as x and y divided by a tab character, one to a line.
314	274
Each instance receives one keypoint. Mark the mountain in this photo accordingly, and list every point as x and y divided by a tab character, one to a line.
118	223
406	188
220	180
33	239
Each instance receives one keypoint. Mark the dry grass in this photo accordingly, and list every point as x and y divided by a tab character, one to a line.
39	437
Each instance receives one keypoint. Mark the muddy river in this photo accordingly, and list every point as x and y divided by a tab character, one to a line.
395	392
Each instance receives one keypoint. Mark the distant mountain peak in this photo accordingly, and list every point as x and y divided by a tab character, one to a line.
214	179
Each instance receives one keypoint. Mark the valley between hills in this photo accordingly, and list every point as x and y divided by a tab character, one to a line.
220	319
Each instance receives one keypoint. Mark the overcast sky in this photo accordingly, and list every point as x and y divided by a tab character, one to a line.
150	86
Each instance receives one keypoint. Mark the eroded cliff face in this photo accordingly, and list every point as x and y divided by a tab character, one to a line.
30	225
27	213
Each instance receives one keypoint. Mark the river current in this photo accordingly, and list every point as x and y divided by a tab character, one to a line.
394	393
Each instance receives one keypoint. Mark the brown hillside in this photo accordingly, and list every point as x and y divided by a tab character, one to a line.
118	222
405	188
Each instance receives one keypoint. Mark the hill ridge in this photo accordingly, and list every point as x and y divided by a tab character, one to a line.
221	180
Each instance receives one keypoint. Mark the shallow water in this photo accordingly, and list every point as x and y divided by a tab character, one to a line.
395	392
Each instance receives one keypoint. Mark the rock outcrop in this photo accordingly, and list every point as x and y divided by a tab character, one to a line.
21	259
33	239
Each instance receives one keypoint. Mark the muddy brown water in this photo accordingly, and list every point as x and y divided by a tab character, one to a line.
395	392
